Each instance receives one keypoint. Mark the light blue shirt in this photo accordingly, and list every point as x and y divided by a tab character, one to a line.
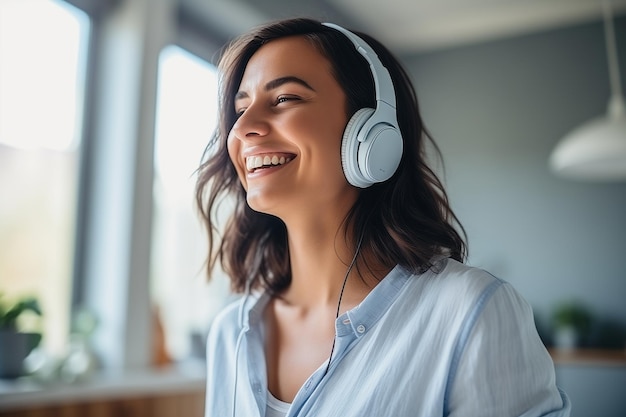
454	341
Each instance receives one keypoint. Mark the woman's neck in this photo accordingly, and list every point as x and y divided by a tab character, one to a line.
320	257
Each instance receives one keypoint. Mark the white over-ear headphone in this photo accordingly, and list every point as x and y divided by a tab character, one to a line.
371	148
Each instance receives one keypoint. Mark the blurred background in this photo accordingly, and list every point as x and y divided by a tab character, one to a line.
107	105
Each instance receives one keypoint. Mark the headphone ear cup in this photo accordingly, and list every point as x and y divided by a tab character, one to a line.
350	148
380	152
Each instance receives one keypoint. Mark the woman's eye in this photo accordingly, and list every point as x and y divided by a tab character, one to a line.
283	99
239	112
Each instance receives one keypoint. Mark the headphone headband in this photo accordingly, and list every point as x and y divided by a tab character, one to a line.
382	80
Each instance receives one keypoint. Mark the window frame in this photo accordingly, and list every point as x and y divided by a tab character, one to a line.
117	267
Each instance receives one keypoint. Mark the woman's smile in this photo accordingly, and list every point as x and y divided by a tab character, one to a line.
256	163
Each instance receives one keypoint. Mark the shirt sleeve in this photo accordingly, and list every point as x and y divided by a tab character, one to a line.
503	368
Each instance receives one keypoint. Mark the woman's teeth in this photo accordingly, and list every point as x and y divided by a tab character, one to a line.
255	162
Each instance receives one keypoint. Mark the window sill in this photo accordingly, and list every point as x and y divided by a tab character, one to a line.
26	393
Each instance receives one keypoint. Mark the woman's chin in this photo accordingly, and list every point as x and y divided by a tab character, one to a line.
262	203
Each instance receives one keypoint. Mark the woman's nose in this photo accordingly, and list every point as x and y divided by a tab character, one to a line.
251	125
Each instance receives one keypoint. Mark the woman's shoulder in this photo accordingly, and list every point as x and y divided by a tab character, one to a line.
225	324
236	315
228	316
449	292
455	279
230	320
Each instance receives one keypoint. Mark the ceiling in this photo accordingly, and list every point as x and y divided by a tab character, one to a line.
406	26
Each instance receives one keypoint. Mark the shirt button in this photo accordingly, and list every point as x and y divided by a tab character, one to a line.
360	328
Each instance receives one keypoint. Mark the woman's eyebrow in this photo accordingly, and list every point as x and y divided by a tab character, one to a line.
277	83
285	80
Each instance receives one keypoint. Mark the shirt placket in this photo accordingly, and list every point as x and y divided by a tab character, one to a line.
345	336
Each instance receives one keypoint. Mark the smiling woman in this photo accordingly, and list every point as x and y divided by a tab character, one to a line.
356	298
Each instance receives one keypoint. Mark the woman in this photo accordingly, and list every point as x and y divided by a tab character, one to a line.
357	301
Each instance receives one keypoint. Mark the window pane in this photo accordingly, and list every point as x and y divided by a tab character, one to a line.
186	118
42	57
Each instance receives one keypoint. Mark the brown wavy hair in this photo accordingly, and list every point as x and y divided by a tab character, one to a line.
405	220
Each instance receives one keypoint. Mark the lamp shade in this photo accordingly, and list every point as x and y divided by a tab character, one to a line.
597	149
594	151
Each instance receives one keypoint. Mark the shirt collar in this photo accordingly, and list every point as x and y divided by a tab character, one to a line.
356	321
252	307
362	317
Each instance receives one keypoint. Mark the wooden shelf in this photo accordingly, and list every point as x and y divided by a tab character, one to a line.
188	404
588	357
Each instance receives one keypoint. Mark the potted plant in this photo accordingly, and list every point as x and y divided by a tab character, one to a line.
571	322
16	345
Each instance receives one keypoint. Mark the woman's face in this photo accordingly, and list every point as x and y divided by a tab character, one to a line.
286	143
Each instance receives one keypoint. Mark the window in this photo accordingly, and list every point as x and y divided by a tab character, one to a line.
186	118
42	59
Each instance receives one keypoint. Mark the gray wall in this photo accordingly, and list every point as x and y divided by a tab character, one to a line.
497	110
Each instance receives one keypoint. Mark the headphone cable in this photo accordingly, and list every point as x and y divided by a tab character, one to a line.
343	287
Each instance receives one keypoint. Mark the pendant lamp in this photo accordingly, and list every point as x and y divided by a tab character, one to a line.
596	151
